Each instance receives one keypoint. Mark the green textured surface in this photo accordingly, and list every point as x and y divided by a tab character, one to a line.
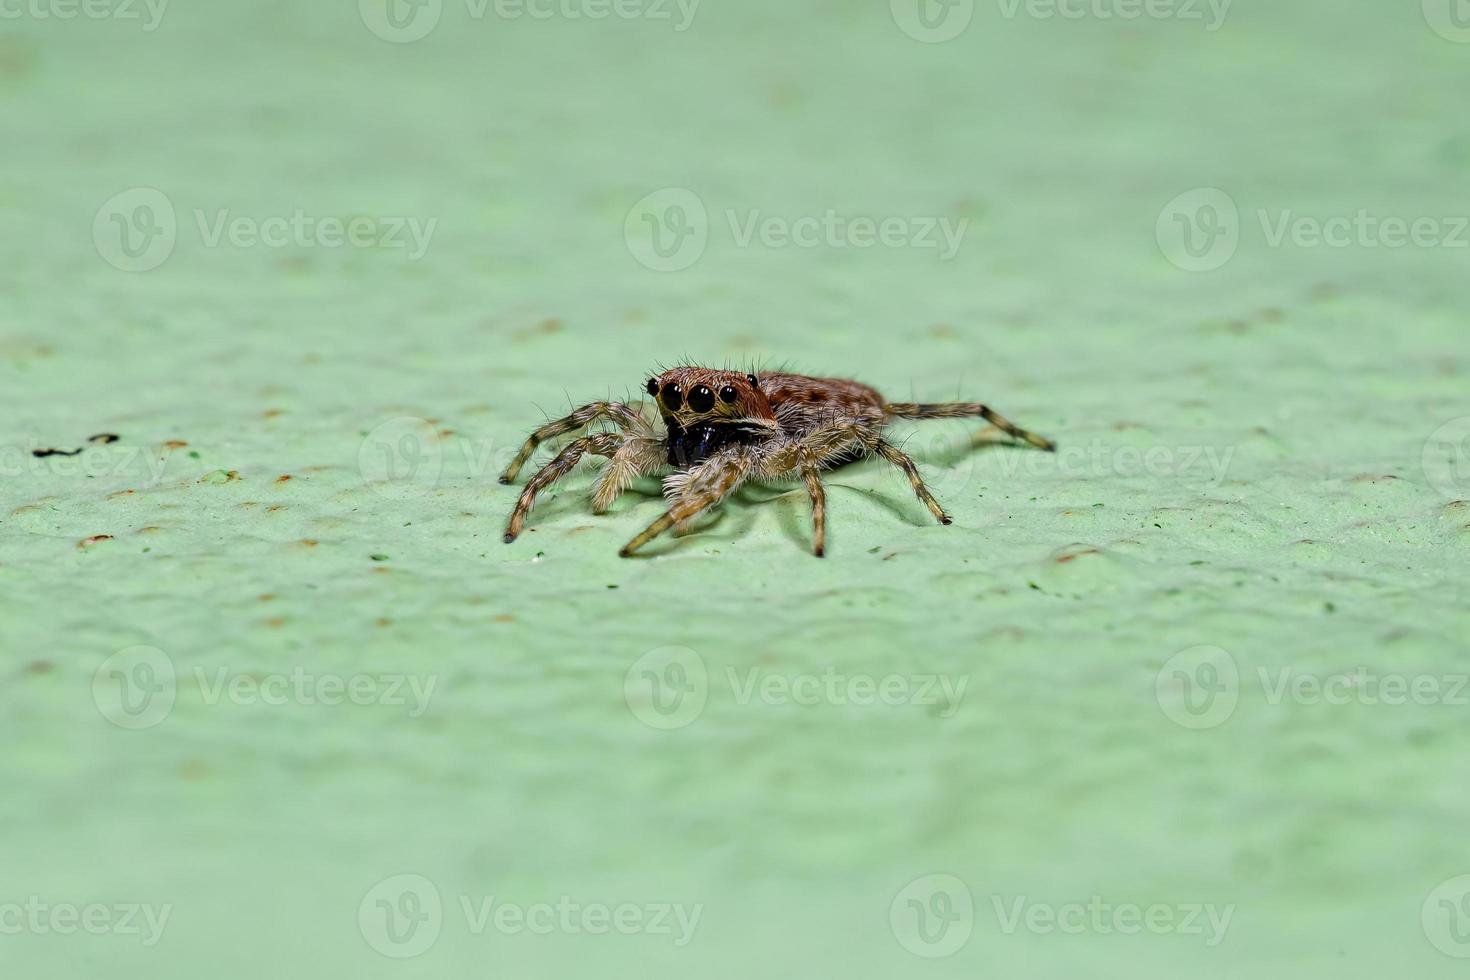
1245	470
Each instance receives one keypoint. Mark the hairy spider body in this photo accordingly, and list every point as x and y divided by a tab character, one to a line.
723	428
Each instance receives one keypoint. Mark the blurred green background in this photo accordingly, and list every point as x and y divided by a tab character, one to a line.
1184	699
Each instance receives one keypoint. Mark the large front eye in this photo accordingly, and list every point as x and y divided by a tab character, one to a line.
673	396
701	399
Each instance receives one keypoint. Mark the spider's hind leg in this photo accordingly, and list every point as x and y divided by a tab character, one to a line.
968	410
902	460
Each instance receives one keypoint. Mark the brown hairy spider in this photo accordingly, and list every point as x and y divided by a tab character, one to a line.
722	428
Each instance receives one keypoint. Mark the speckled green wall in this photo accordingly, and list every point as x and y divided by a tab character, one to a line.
1185	699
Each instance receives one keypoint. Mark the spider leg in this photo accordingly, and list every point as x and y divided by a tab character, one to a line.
902	460
601	444
814	488
638	456
704	486
626	418
966	410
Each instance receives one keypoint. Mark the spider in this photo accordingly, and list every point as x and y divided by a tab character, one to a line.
722	428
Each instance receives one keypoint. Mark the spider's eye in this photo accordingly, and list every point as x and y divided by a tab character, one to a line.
653	386
728	394
701	399
673	396
753	382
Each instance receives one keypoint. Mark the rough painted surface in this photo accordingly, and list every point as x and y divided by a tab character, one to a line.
1244	468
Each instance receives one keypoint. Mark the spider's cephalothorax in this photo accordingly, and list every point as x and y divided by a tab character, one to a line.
722	428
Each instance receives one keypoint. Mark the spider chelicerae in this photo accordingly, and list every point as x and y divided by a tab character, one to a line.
722	428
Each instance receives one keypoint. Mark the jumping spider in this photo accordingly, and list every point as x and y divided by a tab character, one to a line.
722	428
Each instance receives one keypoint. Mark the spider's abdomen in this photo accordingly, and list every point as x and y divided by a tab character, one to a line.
696	443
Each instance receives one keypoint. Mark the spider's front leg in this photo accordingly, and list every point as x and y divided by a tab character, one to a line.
638	456
601	444
625	417
705	486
